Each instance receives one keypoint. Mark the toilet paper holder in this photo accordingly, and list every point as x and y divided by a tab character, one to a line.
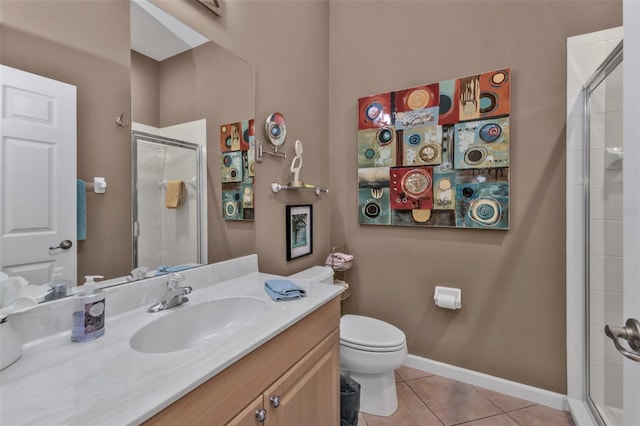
447	297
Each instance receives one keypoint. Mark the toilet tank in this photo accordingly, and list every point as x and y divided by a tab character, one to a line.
323	274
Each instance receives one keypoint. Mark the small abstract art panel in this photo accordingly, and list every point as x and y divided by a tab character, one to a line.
437	155
237	169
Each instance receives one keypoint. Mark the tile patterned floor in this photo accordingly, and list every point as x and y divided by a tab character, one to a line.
428	400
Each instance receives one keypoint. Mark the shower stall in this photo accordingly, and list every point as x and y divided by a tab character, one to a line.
166	234
596	215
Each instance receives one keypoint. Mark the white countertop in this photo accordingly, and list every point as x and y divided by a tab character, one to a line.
105	382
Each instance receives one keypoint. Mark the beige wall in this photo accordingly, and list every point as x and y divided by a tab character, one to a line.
145	90
210	82
85	43
512	324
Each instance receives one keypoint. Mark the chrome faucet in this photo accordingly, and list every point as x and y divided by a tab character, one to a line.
174	296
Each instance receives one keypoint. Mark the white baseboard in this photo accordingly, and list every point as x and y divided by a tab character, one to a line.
517	390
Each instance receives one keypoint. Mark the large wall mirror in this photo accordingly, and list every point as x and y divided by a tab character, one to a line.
87	44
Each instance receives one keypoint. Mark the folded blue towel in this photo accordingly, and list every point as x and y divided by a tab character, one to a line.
283	290
81	210
166	269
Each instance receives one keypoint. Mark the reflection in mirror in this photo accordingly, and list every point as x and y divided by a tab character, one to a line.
168	200
208	83
168	166
237	144
171	87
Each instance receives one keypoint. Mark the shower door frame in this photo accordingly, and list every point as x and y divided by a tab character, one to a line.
600	74
200	190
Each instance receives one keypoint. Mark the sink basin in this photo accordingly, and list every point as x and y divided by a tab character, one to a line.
188	326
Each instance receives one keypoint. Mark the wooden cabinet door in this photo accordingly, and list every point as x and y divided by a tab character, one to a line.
249	416
309	393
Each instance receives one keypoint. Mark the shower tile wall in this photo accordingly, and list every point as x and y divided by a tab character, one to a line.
179	225
584	54
150	197
167	236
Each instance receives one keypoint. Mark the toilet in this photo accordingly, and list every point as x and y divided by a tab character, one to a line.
370	351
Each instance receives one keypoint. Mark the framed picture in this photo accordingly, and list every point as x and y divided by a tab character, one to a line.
299	231
214	5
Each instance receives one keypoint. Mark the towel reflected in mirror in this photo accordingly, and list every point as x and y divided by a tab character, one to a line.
176	194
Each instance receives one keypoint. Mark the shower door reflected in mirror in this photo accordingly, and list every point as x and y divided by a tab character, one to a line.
604	231
169	198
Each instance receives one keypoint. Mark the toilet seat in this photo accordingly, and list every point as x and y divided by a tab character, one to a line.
370	334
371	348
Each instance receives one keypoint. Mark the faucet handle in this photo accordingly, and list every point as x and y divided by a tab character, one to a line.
174	280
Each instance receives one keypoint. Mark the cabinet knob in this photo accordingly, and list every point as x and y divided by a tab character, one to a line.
261	415
275	401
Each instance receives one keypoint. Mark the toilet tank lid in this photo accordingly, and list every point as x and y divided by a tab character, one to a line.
367	331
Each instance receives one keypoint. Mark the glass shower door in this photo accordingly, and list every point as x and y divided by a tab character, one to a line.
605	260
166	232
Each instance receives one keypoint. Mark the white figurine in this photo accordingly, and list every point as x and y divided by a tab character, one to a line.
296	165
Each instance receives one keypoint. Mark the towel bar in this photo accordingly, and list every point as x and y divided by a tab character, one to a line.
99	185
191	182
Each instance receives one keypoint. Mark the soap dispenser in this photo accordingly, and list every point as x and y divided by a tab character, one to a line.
58	284
89	312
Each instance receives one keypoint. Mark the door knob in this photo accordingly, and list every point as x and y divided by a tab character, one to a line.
64	245
631	333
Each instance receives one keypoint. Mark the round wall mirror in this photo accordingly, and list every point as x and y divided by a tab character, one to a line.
276	129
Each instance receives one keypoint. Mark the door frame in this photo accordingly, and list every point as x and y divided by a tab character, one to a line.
610	63
631	200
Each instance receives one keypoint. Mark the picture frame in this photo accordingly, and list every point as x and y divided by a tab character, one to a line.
299	231
213	5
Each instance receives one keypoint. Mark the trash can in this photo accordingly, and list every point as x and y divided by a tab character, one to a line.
349	401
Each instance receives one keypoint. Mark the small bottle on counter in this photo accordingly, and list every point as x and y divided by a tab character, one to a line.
59	286
89	312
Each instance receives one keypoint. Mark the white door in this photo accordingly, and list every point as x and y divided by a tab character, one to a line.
37	175
631	237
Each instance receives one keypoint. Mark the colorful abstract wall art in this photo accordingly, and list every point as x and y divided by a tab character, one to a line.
237	144
437	155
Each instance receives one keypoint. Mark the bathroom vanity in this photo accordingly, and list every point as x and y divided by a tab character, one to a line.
292	379
280	366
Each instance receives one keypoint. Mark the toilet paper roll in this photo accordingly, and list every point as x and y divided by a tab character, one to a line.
446	301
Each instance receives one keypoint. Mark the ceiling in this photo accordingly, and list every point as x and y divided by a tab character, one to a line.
158	35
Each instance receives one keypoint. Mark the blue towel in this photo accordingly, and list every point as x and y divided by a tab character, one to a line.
283	290
81	210
165	269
